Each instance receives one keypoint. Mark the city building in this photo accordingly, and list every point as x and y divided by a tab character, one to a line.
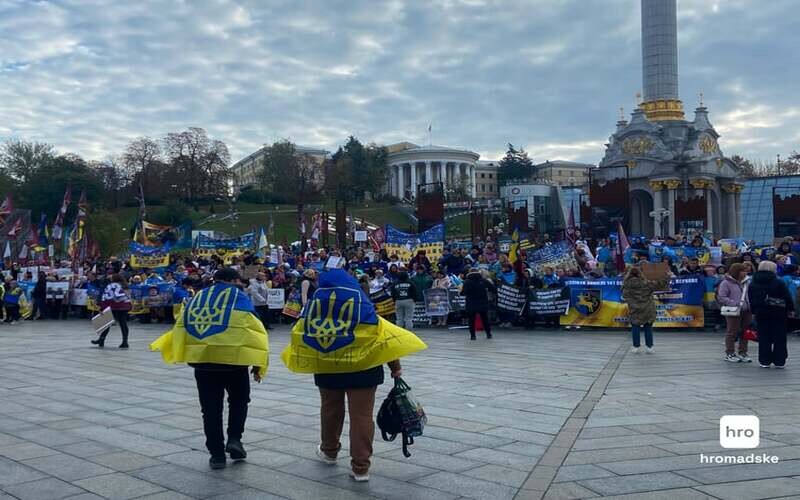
411	166
564	173
486	179
246	171
764	199
666	174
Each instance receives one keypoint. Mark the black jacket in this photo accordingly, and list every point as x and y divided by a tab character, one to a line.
40	290
766	284
404	290
475	291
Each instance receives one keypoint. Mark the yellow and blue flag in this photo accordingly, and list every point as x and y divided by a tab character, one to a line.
217	326
339	331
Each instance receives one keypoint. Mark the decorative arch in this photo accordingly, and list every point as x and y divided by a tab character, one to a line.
641	203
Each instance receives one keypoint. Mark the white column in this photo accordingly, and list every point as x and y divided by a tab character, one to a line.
737	217
413	181
473	189
671	219
401	179
657	205
393	180
443	170
709	212
428	178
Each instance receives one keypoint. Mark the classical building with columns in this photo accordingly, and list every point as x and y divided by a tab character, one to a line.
672	163
411	165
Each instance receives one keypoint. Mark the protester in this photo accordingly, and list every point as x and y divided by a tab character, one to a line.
349	367
772	305
308	286
637	292
11	299
257	290
220	352
39	297
476	292
403	293
732	292
115	298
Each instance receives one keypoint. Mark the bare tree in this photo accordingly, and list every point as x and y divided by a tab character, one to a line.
142	155
201	163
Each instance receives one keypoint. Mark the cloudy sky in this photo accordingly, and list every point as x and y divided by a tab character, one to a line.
550	75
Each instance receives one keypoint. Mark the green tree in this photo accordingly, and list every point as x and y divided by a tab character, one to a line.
367	166
200	162
22	158
104	227
44	190
173	213
514	166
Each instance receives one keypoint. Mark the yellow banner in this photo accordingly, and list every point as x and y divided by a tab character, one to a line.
226	254
156	260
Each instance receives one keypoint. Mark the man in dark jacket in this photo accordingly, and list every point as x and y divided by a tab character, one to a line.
403	293
476	292
771	303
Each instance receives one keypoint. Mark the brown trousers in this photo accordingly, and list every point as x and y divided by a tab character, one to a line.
736	325
361	403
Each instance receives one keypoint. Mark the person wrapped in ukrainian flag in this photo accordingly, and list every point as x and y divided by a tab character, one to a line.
344	343
219	335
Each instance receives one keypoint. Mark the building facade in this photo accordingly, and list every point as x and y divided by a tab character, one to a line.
486	179
246	171
411	166
564	173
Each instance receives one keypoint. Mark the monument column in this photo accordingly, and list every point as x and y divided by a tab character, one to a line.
657	188
672	185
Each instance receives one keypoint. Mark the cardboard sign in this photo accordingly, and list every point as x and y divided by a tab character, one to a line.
334	262
102	320
360	236
275	298
436	302
57	289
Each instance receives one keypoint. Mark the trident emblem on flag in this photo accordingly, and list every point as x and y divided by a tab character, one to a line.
209	312
326	327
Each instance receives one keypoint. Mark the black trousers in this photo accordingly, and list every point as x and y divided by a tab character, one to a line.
12	313
211	387
772	340
487	327
263	314
121	317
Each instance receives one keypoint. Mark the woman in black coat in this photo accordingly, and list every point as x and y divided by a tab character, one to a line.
476	292
771	303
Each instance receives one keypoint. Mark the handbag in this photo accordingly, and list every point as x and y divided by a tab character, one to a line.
750	334
735	310
401	413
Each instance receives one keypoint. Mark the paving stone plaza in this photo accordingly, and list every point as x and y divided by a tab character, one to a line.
529	414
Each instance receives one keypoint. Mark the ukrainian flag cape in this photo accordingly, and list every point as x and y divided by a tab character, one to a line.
217	326
339	332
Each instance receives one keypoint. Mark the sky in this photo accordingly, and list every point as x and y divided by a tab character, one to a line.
547	75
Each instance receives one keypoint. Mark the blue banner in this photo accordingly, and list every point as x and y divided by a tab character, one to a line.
406	245
599	303
239	243
656	251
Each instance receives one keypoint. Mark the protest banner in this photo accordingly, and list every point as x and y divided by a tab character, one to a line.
149	261
102	320
599	303
144	296
334	262
93	296
421	317
293	307
553	256
78	297
275	298
406	245
457	302
57	290
548	302
510	298
360	236
225	248
436	302
383	302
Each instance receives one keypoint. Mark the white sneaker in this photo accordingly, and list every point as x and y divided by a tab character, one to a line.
359	478
745	358
732	358
780	367
325	458
764	366
636	350
649	350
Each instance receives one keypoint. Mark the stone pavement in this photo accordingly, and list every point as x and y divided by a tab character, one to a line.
536	414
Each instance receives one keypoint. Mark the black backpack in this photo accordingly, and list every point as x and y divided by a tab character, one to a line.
401	414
